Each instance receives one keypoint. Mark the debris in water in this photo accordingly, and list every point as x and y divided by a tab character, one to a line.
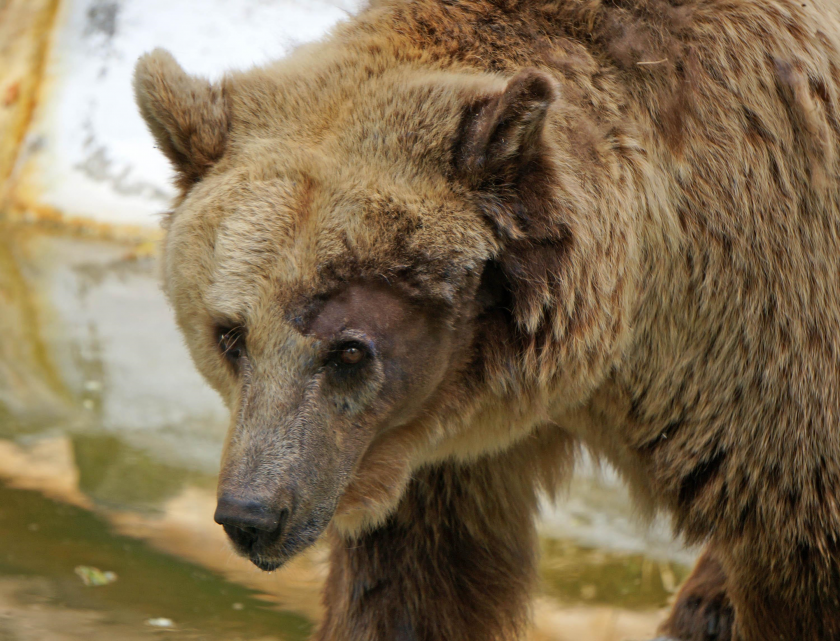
588	592
160	623
94	577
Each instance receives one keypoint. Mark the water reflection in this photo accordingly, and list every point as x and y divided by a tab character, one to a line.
45	539
109	445
119	476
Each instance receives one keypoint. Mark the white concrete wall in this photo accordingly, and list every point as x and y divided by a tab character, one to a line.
88	154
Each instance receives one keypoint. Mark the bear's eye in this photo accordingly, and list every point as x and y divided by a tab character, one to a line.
348	354
232	343
351	355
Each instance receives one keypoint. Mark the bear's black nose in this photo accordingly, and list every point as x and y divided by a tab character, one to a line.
247	514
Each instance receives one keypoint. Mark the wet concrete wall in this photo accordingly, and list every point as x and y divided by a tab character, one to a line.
80	151
25	31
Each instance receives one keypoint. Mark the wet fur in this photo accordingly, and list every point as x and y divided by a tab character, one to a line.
643	255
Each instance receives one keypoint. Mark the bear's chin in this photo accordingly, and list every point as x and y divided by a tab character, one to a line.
268	556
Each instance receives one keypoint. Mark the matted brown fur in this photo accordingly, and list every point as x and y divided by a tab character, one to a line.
613	223
702	611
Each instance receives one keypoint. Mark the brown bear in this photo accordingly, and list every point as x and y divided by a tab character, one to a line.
427	259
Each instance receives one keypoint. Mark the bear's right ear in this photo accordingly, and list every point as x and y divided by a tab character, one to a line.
188	116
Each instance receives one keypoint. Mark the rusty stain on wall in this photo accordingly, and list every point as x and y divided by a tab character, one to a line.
26	33
25	27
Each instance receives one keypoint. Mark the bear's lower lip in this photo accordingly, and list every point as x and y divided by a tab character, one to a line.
265	565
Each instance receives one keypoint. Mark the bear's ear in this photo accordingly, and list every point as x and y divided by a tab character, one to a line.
501	134
188	116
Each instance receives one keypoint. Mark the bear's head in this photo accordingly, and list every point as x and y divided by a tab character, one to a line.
360	260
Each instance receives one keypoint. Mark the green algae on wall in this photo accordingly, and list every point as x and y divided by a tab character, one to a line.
28	379
574	574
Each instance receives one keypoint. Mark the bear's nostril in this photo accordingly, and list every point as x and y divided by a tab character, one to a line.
247	514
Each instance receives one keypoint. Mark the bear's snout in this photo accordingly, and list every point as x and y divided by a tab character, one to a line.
251	524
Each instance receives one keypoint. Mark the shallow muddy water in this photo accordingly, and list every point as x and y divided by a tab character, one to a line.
109	446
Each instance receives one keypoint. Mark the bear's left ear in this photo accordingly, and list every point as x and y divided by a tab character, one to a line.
505	159
188	116
501	134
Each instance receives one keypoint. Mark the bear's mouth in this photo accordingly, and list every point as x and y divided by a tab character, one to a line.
270	550
265	565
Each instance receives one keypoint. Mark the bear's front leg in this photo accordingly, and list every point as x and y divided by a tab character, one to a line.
455	561
784	593
755	587
702	610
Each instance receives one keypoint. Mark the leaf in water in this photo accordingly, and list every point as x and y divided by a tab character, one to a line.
94	576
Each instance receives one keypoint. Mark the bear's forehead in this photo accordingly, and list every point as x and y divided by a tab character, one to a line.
390	115
286	232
